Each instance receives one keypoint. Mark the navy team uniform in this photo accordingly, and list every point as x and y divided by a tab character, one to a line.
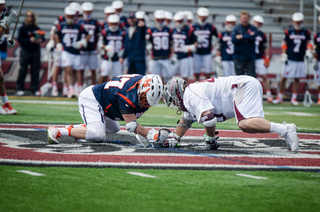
202	57
244	49
261	45
317	69
57	56
161	42
89	56
114	39
180	38
226	48
296	42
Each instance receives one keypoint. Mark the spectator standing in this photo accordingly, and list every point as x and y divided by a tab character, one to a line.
29	38
135	46
243	37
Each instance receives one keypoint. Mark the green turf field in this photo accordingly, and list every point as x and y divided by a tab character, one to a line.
306	119
106	189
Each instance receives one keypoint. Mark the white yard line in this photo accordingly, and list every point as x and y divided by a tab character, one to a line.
251	176
31	173
141	174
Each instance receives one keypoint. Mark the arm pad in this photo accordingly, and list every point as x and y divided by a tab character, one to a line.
209	120
187	123
132	126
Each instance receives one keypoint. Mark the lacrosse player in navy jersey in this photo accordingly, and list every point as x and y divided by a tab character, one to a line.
69	40
316	63
160	38
297	44
125	97
108	10
167	18
113	38
118	6
205	32
262	55
184	44
225	50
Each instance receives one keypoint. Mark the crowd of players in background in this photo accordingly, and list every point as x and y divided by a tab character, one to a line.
127	46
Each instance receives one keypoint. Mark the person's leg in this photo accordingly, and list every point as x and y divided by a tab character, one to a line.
24	62
93	66
104	74
207	65
239	67
251	68
255	125
140	67
35	70
197	66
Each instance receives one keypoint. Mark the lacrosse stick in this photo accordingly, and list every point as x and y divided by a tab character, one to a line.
307	102
47	86
15	26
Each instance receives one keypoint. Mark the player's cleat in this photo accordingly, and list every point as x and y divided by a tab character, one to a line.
65	92
9	110
20	93
53	135
270	99
318	101
71	94
294	102
276	101
291	137
54	91
2	111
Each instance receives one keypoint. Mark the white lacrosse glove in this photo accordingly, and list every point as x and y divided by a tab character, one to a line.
149	46
8	20
217	60
315	64
50	45
172	141
11	42
189	48
309	55
59	48
109	50
80	44
284	58
211	142
91	32
173	58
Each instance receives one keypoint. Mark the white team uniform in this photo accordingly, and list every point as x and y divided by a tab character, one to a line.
92	113
202	61
294	69
108	66
90	59
226	97
228	68
260	67
57	59
69	59
184	67
161	67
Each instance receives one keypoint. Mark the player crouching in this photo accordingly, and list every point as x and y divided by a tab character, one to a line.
219	99
125	97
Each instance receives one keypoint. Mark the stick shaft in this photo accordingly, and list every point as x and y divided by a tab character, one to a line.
15	26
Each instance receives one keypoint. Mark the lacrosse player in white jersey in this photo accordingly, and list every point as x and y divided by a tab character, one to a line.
219	99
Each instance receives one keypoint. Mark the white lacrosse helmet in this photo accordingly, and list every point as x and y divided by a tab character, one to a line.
159	14
2	1
178	16
117	4
140	15
109	10
297	16
202	11
150	90
69	11
231	18
168	15
189	15
258	18
113	19
76	6
173	93
87	6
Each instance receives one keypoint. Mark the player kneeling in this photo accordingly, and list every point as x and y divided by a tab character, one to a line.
125	97
219	99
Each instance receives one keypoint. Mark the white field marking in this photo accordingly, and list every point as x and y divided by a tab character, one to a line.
45	102
251	176
300	114
31	173
141	174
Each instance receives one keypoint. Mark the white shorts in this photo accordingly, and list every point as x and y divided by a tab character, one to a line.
162	68
294	69
260	67
69	59
184	67
106	67
202	61
248	101
317	75
57	59
91	111
90	59
228	68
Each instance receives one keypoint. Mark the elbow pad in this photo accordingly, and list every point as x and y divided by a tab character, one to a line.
209	120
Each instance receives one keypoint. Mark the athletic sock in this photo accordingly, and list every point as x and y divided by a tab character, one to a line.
268	93
278	128
4	98
280	95
294	96
64	131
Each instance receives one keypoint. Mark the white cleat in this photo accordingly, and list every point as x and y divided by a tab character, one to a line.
291	137
2	111
53	135
8	109
277	101
54	91
294	102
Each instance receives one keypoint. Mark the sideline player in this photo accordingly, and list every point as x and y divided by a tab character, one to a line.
118	6
113	38
219	99
5	22
160	38
262	55
316	63
225	50
297	43
108	10
205	32
89	54
68	39
184	44
126	97
167	18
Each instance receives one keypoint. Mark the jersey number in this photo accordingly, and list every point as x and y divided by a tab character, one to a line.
178	45
119	84
297	43
230	49
117	44
69	39
205	42
161	43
